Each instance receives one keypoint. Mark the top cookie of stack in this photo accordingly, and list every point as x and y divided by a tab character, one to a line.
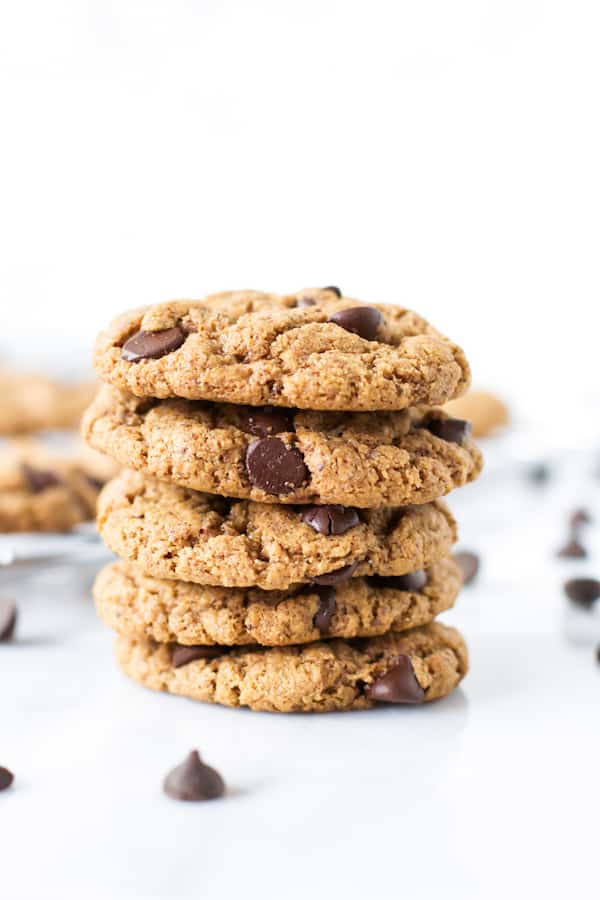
300	399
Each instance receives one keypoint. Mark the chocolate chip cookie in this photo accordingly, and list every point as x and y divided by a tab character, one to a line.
140	606
407	668
486	412
173	532
41	491
277	455
312	350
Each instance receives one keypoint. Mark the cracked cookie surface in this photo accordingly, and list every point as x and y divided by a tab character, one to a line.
173	532
257	348
354	459
318	677
141	606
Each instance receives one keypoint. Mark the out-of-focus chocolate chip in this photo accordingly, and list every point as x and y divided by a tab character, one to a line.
264	421
398	685
582	592
152	344
455	431
412	581
193	781
6	778
337	576
39	480
334	289
331	519
573	549
539	473
324	614
579	517
361	320
182	655
8	619
275	467
468	564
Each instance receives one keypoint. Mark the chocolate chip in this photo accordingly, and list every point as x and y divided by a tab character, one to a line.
265	420
573	549
361	320
39	480
579	517
398	685
152	344
193	781
305	301
452	430
95	483
330	519
324	614
539	473
412	581
274	467
598	653
6	778
337	575
182	655
334	289
583	591
8	619
468	564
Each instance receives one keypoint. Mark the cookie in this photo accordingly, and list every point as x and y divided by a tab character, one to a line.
97	466
412	667
140	606
353	459
311	350
32	403
172	532
41	491
483	410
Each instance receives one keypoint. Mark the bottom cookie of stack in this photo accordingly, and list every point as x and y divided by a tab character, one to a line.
415	666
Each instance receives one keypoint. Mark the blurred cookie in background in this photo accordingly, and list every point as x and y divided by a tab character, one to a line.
31	402
42	490
485	411
97	467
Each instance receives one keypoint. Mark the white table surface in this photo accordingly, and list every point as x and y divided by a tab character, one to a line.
491	793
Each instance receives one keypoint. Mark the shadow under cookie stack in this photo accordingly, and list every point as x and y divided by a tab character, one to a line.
282	541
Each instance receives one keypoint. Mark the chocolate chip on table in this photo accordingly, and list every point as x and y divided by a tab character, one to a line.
452	430
398	685
337	576
412	581
468	564
573	549
152	344
324	614
331	519
39	480
193	781
539	473
582	592
361	320
8	619
6	778
181	655
334	289
264	421
579	517
275	467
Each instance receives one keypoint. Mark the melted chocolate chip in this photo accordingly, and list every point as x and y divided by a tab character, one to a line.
337	576
468	564
573	549
583	592
330	519
153	344
275	467
361	320
39	480
264	421
412	581
324	614
452	430
334	289
6	778
8	619
398	685
193	781
182	655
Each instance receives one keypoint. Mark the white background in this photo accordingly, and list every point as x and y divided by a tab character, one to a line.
440	154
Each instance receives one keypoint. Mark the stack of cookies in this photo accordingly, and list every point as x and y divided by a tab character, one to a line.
282	541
